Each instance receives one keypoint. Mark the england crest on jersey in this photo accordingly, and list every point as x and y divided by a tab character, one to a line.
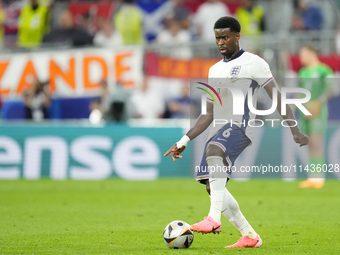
235	70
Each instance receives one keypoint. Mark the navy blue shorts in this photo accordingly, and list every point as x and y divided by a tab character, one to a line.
232	140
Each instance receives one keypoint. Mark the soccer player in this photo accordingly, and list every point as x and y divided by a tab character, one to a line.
314	76
226	142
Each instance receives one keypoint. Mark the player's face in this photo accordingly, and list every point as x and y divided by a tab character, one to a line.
226	41
304	56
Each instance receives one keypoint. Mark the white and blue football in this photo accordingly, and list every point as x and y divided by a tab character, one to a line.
177	235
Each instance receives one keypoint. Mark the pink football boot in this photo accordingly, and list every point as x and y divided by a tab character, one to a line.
208	225
247	242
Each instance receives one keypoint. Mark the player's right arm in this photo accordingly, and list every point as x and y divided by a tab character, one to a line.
201	124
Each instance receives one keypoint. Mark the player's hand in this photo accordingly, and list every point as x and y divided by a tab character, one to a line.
175	152
314	108
301	139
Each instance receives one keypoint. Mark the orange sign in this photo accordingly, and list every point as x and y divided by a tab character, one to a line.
174	68
70	73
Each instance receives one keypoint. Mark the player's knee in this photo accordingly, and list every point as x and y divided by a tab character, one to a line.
208	186
213	150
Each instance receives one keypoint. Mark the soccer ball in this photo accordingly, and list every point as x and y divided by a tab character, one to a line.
177	235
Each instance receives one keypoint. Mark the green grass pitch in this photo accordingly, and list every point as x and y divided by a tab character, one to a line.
121	217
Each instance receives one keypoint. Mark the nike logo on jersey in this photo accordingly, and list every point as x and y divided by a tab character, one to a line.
221	139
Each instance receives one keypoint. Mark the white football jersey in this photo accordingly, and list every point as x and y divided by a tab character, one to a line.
243	71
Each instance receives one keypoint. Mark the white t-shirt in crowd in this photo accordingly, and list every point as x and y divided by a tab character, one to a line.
180	42
148	104
100	39
206	16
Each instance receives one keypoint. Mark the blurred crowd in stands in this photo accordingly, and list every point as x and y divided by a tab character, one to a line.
31	24
118	104
141	22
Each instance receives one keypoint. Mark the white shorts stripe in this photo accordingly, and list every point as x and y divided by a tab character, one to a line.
219	145
229	162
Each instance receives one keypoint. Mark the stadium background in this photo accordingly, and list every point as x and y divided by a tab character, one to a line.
47	203
69	145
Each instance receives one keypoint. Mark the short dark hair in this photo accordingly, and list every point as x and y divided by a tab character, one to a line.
228	22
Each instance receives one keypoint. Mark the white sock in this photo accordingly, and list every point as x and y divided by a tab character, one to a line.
217	187
231	210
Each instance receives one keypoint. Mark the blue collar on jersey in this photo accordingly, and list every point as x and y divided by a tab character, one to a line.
234	57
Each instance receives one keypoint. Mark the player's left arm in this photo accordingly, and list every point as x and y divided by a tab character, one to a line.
328	95
261	73
314	106
298	136
328	78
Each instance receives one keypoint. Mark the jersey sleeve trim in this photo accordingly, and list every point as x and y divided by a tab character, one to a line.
267	81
